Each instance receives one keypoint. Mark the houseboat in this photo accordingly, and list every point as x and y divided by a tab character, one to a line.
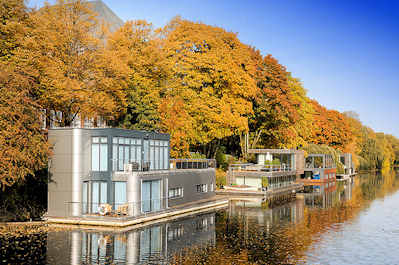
274	173
319	168
349	167
111	176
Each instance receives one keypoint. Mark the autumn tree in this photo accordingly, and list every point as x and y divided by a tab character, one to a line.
276	104
212	73
64	54
178	123
139	48
13	19
23	146
302	128
330	127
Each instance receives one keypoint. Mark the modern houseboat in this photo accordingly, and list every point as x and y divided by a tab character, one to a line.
117	176
275	172
319	168
349	166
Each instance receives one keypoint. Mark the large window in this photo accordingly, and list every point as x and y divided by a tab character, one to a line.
99	195
151	195
99	154
120	193
158	154
175	192
125	150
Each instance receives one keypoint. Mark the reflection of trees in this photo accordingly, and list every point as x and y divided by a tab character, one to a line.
242	240
316	221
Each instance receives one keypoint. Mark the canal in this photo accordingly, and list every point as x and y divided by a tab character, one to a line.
352	222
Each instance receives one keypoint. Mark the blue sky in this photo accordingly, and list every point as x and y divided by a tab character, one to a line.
345	52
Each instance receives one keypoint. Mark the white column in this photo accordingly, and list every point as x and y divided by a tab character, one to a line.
134	193
77	171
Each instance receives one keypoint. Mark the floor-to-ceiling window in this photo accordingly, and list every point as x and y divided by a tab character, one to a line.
99	195
159	154
125	150
120	193
151	195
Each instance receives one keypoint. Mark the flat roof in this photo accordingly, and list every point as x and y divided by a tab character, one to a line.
116	132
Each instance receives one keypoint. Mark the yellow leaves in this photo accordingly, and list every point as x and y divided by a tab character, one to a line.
211	73
23	147
72	71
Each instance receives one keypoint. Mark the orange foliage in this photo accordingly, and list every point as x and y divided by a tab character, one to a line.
23	147
275	108
212	75
331	127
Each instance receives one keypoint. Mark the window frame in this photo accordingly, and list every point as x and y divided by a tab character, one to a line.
178	192
100	142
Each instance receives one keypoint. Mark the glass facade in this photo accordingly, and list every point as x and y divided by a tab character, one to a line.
147	154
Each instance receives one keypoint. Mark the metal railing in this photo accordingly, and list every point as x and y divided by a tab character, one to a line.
117	210
128	211
257	167
192	163
139	165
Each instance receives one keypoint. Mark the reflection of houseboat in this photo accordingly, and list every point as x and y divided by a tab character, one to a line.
322	195
319	168
275	172
113	176
156	244
325	195
258	211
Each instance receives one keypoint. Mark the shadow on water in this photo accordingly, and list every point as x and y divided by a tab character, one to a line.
258	231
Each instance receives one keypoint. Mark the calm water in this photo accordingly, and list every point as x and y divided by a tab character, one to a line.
345	223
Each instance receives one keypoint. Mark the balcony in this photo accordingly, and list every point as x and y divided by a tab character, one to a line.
192	163
263	168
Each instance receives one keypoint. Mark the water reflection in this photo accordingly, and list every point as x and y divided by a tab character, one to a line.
327	195
262	211
154	244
